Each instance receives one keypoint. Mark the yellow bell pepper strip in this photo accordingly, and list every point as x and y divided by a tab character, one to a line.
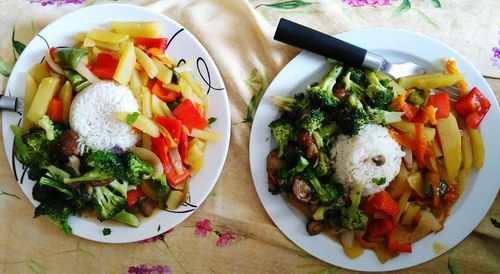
451	67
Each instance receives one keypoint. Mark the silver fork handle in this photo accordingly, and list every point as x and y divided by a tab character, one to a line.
10	103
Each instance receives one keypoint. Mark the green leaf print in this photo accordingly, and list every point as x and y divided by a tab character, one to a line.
5	69
435	3
17	46
427	18
35	266
8	194
495	222
287	5
404	7
453	266
258	82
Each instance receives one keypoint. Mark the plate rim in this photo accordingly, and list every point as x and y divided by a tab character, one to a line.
355	264
215	76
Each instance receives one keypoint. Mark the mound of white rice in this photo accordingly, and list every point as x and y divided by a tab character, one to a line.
91	116
352	158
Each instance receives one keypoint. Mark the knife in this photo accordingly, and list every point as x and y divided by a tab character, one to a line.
306	38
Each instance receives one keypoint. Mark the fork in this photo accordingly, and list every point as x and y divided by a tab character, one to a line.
317	42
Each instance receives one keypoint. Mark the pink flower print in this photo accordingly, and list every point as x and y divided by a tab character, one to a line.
203	228
373	3
144	269
155	238
224	239
495	59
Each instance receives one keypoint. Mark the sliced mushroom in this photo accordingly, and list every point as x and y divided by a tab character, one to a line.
301	190
379	160
312	151
68	144
73	166
314	227
273	165
304	138
147	206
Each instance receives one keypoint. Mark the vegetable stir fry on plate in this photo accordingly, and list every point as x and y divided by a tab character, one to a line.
376	163
112	125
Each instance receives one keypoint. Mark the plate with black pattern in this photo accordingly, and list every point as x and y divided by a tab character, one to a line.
182	47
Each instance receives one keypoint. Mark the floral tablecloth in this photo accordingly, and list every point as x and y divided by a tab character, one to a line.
231	232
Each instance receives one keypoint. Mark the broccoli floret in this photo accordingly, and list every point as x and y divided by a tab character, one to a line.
106	203
322	93
24	153
351	86
379	116
282	131
120	187
49	180
137	169
104	164
353	217
161	190
378	93
359	220
358	76
291	104
126	218
352	116
58	213
327	193
48	126
313	120
324	166
288	174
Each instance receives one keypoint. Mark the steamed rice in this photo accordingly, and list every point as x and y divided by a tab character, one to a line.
352	159
91	116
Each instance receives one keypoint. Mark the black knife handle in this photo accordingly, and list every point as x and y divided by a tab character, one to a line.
305	38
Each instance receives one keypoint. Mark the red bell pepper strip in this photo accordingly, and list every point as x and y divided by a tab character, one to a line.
133	196
382	202
105	66
183	146
190	115
473	107
164	94
159	43
366	244
441	102
161	150
174	178
411	112
419	144
398	247
55	110
173	126
380	227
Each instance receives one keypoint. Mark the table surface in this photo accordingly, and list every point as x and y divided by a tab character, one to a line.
238	35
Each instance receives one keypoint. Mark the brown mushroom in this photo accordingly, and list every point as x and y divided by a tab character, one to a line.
314	227
379	160
68	144
312	151
273	165
147	206
301	190
304	138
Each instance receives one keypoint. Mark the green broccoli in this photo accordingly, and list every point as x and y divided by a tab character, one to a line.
292	105
105	165
137	169
161	189
352	116
322	93
282	131
358	76
48	126
127	218
49	180
23	152
327	193
287	174
120	187
353	217
352	87
324	166
378	93
106	202
313	120
58	213
383	117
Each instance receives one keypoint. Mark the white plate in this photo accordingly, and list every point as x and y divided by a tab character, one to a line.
397	46
182	45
